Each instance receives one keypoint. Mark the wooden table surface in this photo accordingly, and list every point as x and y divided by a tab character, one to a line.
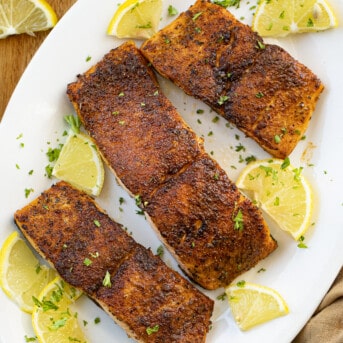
16	52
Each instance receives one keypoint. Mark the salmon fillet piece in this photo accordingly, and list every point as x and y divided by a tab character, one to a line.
66	226
258	87
188	198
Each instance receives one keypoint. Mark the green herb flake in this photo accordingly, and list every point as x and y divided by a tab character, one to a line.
310	22
240	284
196	16
160	251
148	25
53	154
227	3
172	11
38	268
260	45
28	191
277	201
88	58
221	297
97	320
301	243
151	330
57	324
87	262
48	171
277	139
223	99
106	282
97	223
30	339
238	219
286	162
240	147
259	95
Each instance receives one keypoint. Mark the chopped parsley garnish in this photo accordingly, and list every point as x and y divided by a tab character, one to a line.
259	95
286	162
87	262
160	251
152	330
222	99
297	173
28	191
97	320
260	45
221	296
148	25
138	200
172	11
88	58
48	170
240	283
301	243
45	304
240	147
196	16
277	139
97	223
106	282
238	219
30	339
53	154
57	324
227	3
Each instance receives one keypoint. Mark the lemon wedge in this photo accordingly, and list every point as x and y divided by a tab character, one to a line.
282	17
52	318
25	16
281	191
136	19
252	304
21	274
80	164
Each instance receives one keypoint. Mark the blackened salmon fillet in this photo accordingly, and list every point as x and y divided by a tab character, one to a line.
258	87
190	201
66	226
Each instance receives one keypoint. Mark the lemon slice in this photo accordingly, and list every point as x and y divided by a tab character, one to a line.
21	274
52	318
25	16
80	164
253	304
281	191
137	19
282	17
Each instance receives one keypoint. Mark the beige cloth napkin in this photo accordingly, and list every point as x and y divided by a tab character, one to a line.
326	324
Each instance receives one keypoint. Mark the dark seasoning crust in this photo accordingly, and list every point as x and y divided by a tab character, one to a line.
144	292
258	87
188	198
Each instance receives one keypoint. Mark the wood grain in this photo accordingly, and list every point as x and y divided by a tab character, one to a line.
17	51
